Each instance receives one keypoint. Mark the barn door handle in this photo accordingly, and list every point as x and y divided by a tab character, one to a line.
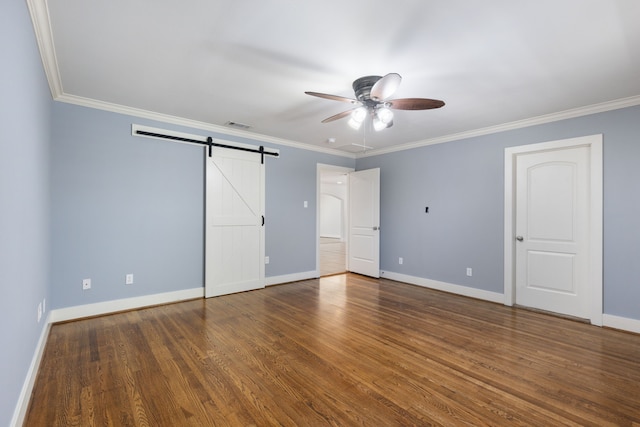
519	238
263	220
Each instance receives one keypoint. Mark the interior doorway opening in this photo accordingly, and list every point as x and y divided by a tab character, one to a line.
332	219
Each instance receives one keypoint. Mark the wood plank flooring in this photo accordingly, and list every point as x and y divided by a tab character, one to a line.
332	256
340	351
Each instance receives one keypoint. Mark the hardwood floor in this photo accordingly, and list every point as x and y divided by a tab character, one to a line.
344	350
332	256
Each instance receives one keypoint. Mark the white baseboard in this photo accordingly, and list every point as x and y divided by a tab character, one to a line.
295	277
25	394
608	320
623	323
444	286
87	310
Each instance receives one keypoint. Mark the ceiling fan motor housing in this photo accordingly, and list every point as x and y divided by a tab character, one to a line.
362	88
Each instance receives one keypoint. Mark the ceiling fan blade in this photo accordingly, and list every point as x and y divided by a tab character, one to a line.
415	104
332	97
385	87
337	116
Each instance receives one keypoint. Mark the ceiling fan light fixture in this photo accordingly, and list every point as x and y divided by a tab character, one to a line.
372	93
385	115
354	124
357	117
382	119
379	125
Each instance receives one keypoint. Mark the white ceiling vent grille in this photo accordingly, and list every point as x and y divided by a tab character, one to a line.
237	125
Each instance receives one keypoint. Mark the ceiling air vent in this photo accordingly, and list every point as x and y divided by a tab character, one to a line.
237	125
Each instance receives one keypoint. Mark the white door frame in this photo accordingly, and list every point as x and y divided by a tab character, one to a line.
329	168
595	285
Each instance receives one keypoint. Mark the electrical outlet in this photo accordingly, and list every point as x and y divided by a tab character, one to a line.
44	305
400	260
266	260
128	280
86	284
469	271
306	204
39	312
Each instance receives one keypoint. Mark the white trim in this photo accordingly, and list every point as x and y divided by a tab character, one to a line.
519	124
622	323
25	394
608	320
166	118
287	278
39	11
444	286
203	139
594	142
106	307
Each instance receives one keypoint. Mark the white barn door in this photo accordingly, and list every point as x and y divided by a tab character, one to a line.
234	252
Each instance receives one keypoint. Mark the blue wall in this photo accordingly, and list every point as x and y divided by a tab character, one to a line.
80	197
462	183
24	200
291	232
125	204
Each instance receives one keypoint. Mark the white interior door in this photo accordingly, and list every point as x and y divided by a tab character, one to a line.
552	231
364	222
234	222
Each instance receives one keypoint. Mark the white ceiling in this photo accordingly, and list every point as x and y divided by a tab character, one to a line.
493	62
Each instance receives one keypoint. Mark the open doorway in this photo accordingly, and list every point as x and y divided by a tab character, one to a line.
332	219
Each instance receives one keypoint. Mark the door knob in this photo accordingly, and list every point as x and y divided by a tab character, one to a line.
519	238
376	228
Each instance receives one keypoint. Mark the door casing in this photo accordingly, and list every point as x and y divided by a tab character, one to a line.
595	282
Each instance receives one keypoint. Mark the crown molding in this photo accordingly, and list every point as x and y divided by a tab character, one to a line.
166	118
519	124
39	11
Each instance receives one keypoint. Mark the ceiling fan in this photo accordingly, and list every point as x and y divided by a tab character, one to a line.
371	99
